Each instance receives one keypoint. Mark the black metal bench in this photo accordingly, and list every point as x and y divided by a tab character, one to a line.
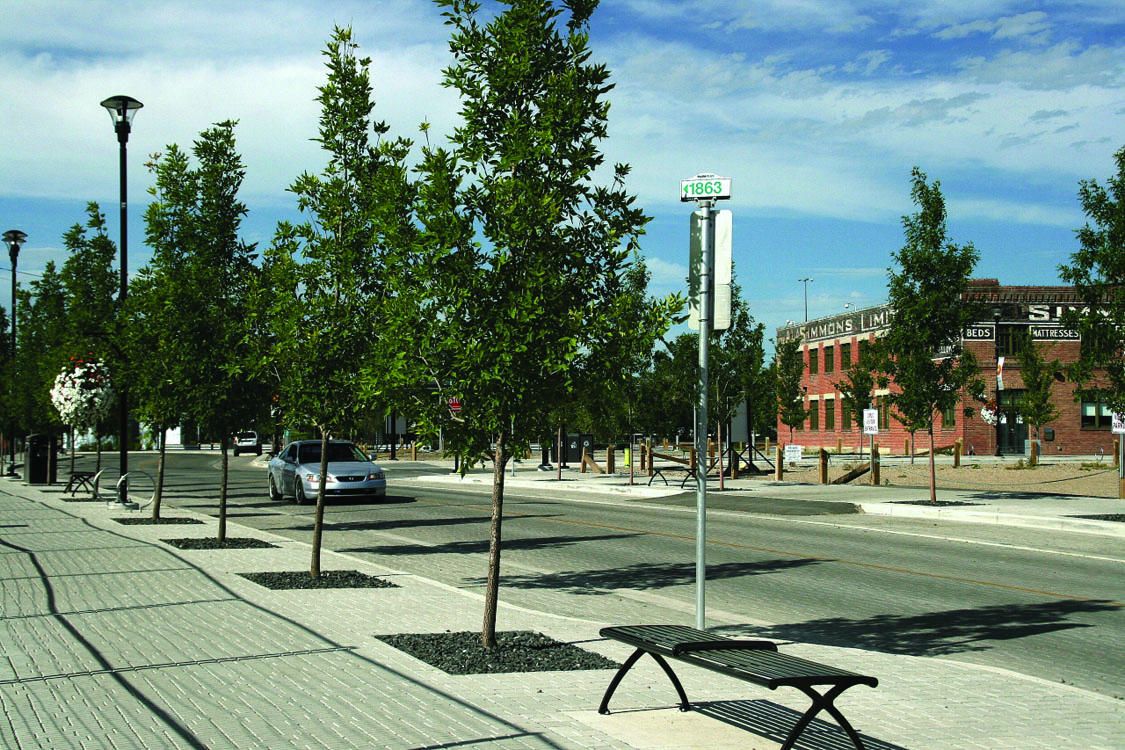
659	471
80	480
752	660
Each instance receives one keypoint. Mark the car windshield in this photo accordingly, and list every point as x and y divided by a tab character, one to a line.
310	454
247	435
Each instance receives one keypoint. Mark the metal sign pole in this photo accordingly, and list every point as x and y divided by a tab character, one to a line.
701	423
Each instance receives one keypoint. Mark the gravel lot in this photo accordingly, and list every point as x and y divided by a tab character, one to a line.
1092	478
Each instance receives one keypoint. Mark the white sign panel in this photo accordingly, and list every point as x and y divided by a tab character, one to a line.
723	225
870	421
793	453
1118	423
705	187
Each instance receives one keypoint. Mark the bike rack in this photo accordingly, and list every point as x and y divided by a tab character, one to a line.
121	494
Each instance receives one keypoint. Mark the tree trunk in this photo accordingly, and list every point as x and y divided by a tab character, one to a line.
223	491
318	524
98	444
559	457
72	451
492	587
719	433
160	474
933	475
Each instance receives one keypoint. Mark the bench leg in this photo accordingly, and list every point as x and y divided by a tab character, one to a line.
604	707
823	703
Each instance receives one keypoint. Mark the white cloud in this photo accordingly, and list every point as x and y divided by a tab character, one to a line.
1030	27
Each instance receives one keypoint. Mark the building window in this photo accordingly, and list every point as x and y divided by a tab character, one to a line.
1096	416
846	416
949	418
845	356
829	360
814	416
1009	339
813	369
830	416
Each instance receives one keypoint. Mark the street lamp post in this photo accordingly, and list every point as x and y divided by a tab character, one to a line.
121	110
806	282
13	238
996	313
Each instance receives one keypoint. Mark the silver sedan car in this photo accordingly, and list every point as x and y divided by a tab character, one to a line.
295	472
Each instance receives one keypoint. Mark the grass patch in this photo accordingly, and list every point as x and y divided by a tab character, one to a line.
516	651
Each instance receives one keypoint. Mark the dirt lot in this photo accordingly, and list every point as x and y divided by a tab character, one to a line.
1092	478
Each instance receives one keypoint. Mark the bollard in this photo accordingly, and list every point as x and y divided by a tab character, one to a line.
767	450
1034	460
839	445
779	467
875	465
610	468
906	447
582	468
823	466
957	453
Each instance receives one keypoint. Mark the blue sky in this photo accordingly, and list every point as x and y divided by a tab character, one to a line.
817	110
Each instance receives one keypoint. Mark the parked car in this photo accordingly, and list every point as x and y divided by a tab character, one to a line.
295	472
248	441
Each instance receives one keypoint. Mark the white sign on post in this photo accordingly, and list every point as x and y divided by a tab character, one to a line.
793	453
870	421
705	186
1118	423
722	226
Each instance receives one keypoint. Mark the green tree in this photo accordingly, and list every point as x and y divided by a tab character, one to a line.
1097	271
332	297
42	349
857	389
1039	376
789	368
923	343
527	256
190	349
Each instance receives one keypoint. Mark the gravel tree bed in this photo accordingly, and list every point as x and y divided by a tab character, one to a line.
1119	517
209	543
939	503
328	579
515	651
149	521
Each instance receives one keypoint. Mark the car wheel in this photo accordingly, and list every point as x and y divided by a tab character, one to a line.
275	496
298	491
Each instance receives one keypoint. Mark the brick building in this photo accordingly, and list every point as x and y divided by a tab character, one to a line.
831	344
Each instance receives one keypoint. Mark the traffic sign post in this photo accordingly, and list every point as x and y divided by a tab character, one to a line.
1118	424
704	189
871	428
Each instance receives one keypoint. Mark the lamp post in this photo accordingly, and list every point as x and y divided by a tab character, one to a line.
806	282
121	110
996	312
13	238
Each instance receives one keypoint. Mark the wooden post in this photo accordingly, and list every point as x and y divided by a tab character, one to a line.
779	466
839	444
1034	460
691	456
906	447
582	468
1116	450
648	466
610	467
414	451
957	453
875	465
766	452
823	466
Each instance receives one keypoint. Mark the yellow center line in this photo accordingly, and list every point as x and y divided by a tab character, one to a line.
797	555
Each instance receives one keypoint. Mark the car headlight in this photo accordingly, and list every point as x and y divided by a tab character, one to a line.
375	475
315	478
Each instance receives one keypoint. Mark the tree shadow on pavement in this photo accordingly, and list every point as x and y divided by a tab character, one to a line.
940	633
644	576
480	547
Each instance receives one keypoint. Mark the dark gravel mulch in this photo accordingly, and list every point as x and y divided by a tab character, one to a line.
149	521
1119	517
516	651
213	543
939	503
329	579
82	499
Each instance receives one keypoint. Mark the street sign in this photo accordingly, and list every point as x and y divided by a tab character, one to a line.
870	421
1118	423
705	187
793	453
722	229
454	404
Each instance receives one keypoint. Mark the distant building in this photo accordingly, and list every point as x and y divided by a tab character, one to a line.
832	344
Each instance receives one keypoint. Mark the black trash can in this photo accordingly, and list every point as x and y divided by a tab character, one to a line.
42	464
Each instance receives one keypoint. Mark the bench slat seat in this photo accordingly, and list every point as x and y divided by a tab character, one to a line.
755	661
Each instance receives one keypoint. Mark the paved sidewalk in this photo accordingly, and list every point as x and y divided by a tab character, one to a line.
112	638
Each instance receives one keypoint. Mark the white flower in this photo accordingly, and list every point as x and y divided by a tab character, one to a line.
989	416
83	395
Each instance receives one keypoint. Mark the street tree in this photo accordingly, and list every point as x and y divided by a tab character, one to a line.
42	349
789	368
857	389
331	292
1097	271
922	346
526	255
1039	377
189	348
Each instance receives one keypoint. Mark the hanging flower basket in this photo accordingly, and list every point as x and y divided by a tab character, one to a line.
990	413
82	395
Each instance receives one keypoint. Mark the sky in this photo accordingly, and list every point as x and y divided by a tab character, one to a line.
816	109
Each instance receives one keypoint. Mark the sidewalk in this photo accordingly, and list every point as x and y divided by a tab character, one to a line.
114	639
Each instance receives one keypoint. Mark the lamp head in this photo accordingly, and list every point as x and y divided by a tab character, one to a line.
121	110
13	238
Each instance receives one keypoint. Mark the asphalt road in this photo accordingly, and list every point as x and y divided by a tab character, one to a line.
1048	605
